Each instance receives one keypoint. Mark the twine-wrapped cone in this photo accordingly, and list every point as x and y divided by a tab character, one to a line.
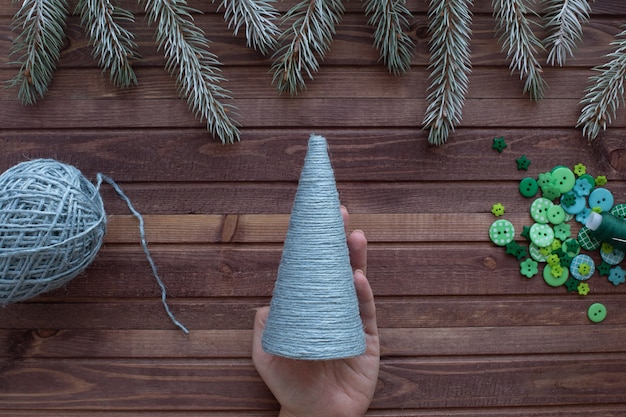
314	312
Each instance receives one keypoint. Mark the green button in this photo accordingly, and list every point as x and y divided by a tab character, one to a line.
528	187
596	312
564	179
539	210
553	281
541	235
556	214
502	232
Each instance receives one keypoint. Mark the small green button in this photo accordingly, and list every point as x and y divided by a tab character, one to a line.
596	312
556	214
528	187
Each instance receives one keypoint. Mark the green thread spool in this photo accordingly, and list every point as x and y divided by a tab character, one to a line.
608	228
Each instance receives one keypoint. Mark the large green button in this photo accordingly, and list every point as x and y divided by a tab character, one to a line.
528	187
539	210
596	312
541	235
502	232
564	179
552	280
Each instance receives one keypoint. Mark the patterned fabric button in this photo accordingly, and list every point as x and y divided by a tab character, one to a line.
536	253
542	235
582	267
601	197
611	255
539	210
502	232
587	240
619	210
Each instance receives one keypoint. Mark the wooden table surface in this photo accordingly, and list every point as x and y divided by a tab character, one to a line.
462	332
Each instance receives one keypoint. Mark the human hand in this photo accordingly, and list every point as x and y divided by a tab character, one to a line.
334	388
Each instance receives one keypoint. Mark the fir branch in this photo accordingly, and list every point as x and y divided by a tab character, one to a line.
564	20
194	66
450	64
306	39
113	45
42	25
390	18
520	43
605	92
258	17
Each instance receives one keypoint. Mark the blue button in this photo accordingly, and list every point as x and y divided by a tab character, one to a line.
601	197
575	208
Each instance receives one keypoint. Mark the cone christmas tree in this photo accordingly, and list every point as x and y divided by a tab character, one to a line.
314	313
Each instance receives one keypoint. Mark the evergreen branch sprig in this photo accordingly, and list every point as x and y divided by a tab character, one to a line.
195	68
450	64
390	19
605	92
521	44
42	31
305	42
564	24
113	45
258	17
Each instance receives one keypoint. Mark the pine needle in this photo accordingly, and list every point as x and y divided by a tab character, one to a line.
390	19
450	64
307	39
257	17
521	44
605	92
564	23
194	66
114	46
41	24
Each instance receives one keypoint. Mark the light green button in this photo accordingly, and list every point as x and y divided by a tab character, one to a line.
596	312
502	232
539	210
541	235
556	214
564	179
553	281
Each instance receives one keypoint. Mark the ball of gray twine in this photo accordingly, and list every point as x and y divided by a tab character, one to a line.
52	225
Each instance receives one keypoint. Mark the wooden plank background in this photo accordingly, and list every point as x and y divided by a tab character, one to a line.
462	333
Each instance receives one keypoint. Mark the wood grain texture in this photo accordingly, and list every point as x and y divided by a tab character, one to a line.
463	334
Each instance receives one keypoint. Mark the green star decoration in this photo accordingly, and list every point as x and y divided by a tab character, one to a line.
499	144
523	163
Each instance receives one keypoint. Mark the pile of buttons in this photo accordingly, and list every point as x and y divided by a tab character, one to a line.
558	197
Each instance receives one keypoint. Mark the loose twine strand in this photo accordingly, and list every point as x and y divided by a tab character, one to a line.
314	311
